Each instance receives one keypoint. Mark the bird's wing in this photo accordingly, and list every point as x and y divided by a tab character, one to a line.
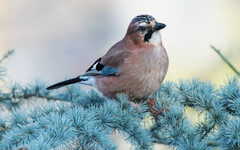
98	69
108	65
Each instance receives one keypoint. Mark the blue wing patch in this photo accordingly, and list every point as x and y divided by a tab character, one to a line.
98	69
106	71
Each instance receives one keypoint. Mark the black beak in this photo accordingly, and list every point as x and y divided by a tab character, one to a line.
159	26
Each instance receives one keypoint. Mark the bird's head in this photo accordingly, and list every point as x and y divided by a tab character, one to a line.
145	29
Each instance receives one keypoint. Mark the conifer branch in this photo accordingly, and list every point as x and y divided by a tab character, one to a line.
85	120
225	60
7	55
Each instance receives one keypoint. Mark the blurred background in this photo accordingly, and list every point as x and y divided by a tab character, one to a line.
58	39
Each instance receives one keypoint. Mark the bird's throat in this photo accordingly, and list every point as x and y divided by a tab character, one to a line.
155	38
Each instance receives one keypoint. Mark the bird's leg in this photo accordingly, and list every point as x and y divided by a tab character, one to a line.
23	148
154	111
134	105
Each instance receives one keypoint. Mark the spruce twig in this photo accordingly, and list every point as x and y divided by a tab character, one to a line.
225	60
6	55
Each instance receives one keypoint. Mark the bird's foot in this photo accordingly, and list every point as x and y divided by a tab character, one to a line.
154	111
135	105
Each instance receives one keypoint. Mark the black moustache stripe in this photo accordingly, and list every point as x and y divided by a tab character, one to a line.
148	36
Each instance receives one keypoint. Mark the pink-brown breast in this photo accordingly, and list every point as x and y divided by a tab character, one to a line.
140	75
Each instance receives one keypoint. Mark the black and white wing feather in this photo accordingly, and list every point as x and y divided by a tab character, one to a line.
97	69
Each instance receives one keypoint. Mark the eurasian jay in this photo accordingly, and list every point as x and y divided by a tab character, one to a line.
136	65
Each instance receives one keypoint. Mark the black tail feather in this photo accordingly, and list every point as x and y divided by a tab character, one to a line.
64	83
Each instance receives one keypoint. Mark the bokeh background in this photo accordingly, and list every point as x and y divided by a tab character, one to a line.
55	39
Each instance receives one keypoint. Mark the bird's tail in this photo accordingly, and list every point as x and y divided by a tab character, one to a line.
64	83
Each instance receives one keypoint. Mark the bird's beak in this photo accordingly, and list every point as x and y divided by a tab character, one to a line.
159	26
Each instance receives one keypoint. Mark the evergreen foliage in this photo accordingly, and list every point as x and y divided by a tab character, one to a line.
74	119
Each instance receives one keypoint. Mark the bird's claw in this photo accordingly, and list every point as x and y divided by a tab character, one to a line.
154	112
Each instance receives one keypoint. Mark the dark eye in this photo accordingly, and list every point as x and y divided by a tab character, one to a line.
141	29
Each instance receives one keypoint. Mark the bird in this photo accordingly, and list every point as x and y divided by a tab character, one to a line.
136	65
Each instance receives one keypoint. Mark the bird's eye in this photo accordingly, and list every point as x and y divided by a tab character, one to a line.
141	29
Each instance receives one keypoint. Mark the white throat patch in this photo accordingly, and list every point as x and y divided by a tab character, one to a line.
156	38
